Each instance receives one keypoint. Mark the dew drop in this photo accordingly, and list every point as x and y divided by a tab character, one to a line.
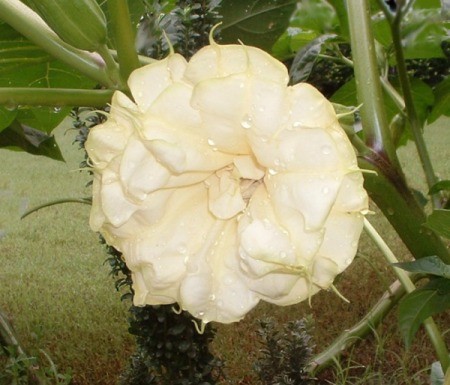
246	121
200	313
272	171
348	261
211	142
56	110
326	150
283	254
390	211
212	297
325	190
296	125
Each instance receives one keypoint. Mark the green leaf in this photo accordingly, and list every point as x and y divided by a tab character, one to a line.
305	59
7	116
443	185
420	304
23	138
42	118
316	15
442	101
255	22
347	96
291	41
427	265
423	32
439	222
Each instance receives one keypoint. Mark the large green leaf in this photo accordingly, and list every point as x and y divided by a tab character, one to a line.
255	22
19	137
305	59
23	64
7	116
442	100
439	221
423	32
427	265
422	303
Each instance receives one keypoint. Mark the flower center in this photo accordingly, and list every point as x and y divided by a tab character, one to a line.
248	187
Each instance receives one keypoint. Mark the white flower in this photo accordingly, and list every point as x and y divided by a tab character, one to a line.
223	186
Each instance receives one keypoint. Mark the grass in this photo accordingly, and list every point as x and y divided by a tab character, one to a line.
55	287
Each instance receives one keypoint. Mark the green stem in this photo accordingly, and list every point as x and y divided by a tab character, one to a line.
388	188
416	126
111	67
29	24
430	326
360	330
367	76
389	191
54	97
124	36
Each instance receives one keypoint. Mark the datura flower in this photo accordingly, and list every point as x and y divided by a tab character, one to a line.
222	186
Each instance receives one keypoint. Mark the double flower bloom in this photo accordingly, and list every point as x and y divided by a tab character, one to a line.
223	186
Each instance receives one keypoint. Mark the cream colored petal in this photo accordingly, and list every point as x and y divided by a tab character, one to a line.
268	111
174	132
173	106
352	197
220	61
224	195
140	172
304	150
311	195
248	167
148	82
302	290
225	135
224	97
309	108
214	289
97	217
115	206
341	238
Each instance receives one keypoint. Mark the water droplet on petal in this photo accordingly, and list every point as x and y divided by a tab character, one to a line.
272	171
211	142
246	121
212	297
295	125
326	150
325	190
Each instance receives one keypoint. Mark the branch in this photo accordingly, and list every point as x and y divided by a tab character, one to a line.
124	37
373	114
30	25
360	330
54	97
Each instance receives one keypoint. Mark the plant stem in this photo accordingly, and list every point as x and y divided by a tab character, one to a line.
361	329
373	114
54	97
388	188
416	126
430	326
29	24
124	37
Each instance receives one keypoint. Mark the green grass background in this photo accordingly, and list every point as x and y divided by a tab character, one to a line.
56	290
